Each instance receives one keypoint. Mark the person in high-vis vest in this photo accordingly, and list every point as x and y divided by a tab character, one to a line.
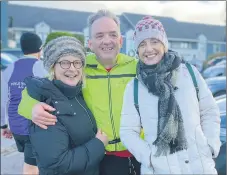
107	72
12	84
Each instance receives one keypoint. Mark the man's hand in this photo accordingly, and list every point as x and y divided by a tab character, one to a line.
41	115
7	133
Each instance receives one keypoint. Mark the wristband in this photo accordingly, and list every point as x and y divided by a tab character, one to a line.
4	126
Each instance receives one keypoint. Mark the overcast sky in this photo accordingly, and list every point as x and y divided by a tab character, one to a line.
208	12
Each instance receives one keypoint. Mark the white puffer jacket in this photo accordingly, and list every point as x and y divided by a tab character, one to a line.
201	123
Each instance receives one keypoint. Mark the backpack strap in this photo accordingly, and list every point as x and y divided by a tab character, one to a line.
136	104
193	78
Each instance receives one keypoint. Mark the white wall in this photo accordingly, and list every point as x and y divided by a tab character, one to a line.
130	48
42	29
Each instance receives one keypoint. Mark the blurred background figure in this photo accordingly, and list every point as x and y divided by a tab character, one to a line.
11	87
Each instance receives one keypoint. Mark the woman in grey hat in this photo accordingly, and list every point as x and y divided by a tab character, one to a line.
73	145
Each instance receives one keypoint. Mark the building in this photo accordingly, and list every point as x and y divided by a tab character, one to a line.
191	40
4	23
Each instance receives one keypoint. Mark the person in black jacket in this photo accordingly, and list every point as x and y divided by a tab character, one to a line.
74	145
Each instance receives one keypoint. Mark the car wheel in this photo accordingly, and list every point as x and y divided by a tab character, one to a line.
219	93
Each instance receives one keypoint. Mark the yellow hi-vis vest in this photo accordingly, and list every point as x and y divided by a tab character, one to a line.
103	92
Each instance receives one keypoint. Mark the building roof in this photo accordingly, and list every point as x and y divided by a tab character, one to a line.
186	30
69	20
57	19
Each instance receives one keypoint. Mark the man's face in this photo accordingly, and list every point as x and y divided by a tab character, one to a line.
151	51
106	39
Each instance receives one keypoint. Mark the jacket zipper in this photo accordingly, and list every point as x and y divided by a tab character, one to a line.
92	124
110	106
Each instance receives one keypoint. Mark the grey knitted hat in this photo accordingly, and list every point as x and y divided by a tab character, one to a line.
62	46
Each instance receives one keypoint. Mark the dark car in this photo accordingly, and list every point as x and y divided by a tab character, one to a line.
217	85
7	59
220	161
16	52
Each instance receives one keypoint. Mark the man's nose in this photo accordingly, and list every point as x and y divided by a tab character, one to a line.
106	39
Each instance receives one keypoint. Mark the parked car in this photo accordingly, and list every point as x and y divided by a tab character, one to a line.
220	161
223	62
214	71
220	97
215	61
7	59
222	105
217	85
16	52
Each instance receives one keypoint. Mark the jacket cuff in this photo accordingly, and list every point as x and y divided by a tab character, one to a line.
4	126
147	160
214	147
96	150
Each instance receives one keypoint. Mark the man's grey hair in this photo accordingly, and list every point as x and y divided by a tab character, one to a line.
101	13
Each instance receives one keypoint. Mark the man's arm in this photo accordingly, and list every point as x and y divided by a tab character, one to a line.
210	115
4	100
27	102
5	77
36	111
26	105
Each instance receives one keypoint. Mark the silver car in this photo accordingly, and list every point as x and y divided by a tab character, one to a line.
214	71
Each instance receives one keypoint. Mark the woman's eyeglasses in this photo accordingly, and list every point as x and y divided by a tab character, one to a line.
67	64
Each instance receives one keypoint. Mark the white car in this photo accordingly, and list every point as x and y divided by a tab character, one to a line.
7	59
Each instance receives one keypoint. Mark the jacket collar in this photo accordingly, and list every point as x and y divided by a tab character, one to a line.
91	60
68	91
29	56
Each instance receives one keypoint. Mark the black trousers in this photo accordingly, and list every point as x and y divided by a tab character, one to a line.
113	165
24	146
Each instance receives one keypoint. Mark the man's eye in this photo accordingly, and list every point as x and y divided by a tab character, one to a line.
114	35
99	36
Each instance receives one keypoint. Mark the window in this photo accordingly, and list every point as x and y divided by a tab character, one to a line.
186	45
216	48
175	45
180	45
169	44
17	36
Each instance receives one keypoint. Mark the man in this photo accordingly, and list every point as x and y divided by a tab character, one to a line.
11	87
107	73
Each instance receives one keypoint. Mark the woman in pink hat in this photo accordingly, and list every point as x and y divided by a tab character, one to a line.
181	127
